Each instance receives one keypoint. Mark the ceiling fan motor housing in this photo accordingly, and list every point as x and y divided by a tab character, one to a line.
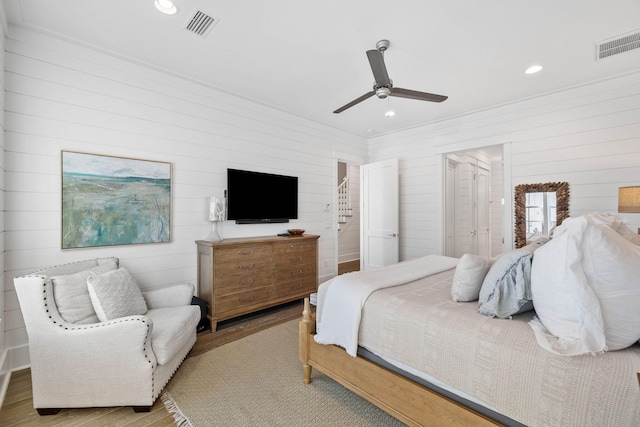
383	92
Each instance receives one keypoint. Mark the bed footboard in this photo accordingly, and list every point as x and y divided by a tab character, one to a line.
400	397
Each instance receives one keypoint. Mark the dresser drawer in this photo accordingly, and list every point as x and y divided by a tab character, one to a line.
295	287
294	246
295	272
228	284
242	299
285	255
242	255
242	267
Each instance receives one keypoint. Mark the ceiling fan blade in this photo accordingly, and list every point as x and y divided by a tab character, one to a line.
354	102
414	94
376	60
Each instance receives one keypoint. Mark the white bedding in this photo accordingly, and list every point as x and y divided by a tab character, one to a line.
340	300
498	361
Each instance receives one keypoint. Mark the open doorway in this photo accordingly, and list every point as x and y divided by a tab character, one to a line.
348	209
474	202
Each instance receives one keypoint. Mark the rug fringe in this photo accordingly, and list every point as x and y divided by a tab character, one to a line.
180	418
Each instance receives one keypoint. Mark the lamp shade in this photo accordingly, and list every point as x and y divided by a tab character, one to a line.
629	199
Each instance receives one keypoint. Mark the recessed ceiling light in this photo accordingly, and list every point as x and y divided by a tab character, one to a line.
390	113
166	6
533	69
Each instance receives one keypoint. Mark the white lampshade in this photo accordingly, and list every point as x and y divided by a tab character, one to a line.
629	199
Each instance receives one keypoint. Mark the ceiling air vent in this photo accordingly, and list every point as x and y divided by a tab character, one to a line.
200	23
620	44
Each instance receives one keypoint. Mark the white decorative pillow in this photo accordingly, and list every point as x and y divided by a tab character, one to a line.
506	289
72	296
115	294
586	288
468	277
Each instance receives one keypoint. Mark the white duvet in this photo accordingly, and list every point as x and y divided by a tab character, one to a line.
340	300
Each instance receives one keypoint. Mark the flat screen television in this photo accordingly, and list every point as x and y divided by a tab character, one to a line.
261	198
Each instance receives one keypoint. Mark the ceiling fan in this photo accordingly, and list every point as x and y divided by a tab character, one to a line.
383	85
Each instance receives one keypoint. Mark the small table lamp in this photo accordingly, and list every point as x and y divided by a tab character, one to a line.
629	200
216	212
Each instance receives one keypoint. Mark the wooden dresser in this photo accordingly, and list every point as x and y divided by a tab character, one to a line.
239	276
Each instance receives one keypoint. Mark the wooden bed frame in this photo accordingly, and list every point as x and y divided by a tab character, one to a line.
409	402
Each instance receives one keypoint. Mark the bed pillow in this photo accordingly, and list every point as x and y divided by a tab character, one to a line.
586	288
72	296
468	277
506	289
115	294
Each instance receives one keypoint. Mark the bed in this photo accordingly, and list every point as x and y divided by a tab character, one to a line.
429	360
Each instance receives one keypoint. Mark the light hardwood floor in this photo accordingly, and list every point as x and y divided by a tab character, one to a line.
349	266
17	409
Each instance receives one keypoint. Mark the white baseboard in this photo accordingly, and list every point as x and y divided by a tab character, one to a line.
5	375
11	360
4	386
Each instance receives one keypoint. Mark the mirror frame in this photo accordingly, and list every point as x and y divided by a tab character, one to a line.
520	198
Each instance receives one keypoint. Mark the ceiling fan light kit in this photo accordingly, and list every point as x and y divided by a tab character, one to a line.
383	85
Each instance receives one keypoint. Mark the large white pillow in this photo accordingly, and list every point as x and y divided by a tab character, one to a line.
115	294
586	287
468	277
72	296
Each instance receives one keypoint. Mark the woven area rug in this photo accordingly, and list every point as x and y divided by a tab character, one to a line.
257	381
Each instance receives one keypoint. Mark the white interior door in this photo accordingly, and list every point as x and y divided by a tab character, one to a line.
380	214
467	204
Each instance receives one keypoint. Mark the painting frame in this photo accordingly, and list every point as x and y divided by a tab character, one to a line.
114	201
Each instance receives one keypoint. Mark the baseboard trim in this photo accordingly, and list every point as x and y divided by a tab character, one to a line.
5	375
4	386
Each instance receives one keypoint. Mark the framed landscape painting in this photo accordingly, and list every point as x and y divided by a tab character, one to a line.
109	201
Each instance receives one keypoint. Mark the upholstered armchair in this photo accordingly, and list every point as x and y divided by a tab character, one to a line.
95	340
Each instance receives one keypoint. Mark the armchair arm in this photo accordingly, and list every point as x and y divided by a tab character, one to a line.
77	363
170	296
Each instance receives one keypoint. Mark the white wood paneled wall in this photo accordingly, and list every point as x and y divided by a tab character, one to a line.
588	136
63	96
4	359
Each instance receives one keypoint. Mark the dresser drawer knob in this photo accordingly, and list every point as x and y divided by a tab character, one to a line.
246	267
249	298
296	259
296	287
296	272
247	252
245	282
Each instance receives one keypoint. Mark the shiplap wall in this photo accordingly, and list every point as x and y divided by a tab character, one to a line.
4	360
588	136
63	96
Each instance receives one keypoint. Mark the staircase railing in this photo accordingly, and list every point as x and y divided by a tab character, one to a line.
344	201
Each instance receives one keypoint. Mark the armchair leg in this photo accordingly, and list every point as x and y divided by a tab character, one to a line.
47	411
137	409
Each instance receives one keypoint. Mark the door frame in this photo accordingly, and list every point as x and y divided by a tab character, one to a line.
507	189
333	211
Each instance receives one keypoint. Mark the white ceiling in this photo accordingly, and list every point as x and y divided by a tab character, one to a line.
309	58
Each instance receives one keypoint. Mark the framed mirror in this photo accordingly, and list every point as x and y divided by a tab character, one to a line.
538	209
